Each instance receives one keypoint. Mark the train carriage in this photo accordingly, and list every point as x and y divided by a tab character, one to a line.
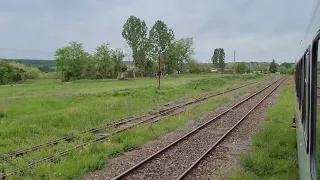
305	117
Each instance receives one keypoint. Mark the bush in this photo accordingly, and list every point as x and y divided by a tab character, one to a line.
10	74
242	68
29	72
194	67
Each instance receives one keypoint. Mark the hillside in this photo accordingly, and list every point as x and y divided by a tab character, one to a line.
42	65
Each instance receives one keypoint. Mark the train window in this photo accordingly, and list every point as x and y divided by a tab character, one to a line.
314	110
306	97
304	93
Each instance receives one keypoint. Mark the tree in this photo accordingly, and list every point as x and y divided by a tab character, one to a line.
181	52
119	67
71	61
242	68
135	33
215	58
218	59
161	41
194	66
291	69
283	70
273	67
221	59
286	64
105	62
184	49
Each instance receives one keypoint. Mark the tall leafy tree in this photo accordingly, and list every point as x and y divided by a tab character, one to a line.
181	52
221	59
273	67
215	58
72	61
104	59
218	59
118	56
161	40
135	33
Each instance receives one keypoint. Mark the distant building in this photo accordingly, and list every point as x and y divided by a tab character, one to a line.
213	70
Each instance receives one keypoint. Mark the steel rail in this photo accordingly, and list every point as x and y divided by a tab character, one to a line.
190	133
225	135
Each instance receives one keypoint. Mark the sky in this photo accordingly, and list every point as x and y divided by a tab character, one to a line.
258	30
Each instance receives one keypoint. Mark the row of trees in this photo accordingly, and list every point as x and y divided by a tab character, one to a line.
11	72
146	46
73	62
159	42
284	68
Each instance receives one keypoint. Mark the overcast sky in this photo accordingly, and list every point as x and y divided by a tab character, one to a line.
259	30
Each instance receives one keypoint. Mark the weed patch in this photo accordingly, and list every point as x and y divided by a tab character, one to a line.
274	153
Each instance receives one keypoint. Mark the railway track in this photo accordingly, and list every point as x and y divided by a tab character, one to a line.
122	125
177	159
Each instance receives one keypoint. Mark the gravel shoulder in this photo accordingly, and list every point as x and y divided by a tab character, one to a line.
222	161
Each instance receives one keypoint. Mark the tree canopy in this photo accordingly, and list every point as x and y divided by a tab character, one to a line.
135	33
242	68
158	42
273	67
73	62
218	59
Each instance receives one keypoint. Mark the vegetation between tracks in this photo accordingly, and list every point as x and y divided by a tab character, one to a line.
273	155
27	121
94	157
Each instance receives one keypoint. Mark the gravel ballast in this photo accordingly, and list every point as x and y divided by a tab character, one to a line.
174	161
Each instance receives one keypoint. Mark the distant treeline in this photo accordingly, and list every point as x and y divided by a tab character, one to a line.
43	65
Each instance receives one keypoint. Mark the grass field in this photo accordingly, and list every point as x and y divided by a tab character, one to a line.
43	110
274	145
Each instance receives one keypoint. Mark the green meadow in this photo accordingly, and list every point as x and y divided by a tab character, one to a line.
45	109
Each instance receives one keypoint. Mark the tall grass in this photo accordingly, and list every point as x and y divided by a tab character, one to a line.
27	121
274	153
95	156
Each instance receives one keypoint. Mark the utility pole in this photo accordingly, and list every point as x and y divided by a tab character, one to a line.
234	62
159	71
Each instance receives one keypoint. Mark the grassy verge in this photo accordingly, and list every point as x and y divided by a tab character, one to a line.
28	120
274	145
95	156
